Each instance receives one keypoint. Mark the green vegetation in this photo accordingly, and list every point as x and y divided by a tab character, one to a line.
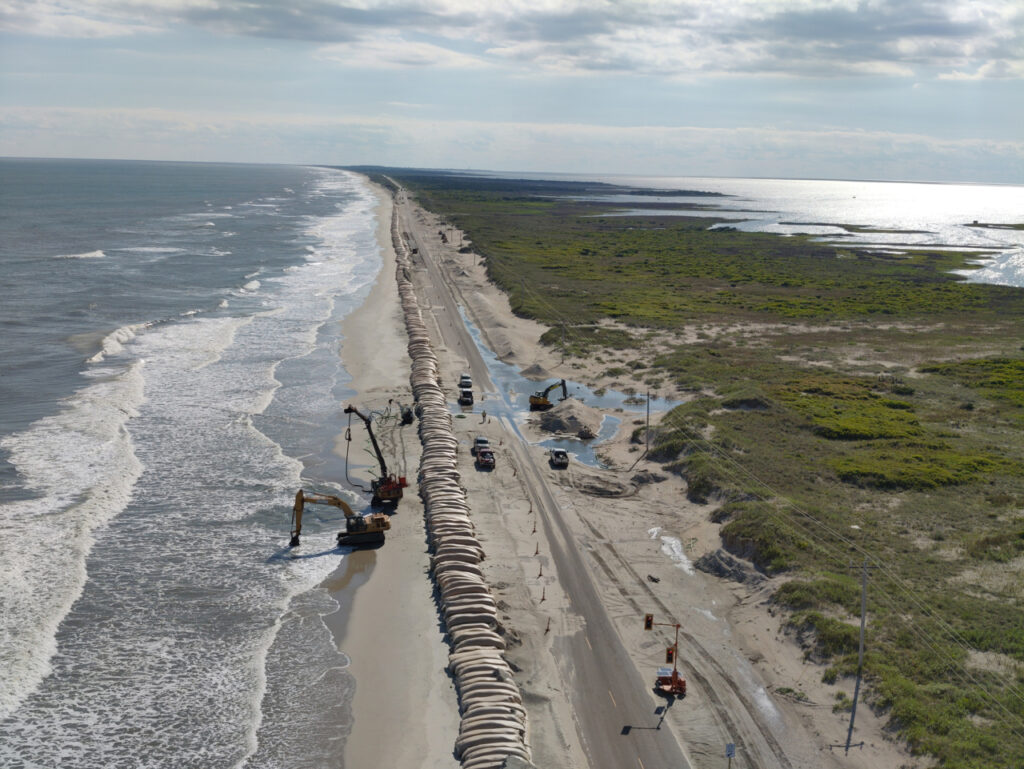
841	405
1001	378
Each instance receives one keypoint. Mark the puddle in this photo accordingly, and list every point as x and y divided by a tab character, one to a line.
512	401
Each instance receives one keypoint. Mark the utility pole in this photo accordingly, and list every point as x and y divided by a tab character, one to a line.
860	650
647	430
860	656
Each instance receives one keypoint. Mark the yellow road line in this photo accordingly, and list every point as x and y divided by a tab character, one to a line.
613	698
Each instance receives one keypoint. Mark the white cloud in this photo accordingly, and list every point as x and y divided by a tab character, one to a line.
391	51
407	141
1000	69
672	37
68	19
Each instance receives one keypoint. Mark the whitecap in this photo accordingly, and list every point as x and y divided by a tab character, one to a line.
82	465
97	254
114	342
153	250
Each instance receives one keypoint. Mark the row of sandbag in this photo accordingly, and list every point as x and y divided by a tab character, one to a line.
493	724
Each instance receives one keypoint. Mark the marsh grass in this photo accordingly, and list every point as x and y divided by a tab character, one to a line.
882	416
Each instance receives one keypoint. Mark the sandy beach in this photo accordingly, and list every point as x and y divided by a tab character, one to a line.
636	536
404	708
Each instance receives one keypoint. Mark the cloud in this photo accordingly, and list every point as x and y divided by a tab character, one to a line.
999	69
391	51
982	38
68	20
571	148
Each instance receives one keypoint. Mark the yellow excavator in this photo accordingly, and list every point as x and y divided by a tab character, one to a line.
359	529
539	400
387	488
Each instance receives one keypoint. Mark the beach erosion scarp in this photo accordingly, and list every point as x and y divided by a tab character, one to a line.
493	719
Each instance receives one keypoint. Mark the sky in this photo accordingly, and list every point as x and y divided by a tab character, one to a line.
924	90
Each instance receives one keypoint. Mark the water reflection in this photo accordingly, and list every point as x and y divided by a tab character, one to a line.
512	401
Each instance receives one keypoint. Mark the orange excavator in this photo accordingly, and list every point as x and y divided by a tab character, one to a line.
388	487
359	529
539	400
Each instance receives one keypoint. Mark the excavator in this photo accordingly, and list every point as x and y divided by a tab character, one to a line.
359	529
539	400
388	487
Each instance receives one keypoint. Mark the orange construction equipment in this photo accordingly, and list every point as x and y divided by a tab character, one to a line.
388	487
667	681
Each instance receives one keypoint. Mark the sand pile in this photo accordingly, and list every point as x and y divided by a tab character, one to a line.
572	417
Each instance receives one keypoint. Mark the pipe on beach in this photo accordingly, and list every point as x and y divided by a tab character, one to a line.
493	720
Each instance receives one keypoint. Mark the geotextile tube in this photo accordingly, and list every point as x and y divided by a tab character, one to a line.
493	719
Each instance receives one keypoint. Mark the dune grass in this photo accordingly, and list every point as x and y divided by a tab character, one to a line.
843	404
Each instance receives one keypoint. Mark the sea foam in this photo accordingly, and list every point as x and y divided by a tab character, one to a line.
82	466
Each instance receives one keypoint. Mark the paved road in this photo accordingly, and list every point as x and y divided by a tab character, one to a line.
608	692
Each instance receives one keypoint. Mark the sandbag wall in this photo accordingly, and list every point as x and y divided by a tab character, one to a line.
493	723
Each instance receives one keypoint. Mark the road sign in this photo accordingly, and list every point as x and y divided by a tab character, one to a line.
730	750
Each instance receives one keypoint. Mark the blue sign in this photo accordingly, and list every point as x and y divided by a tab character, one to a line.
730	750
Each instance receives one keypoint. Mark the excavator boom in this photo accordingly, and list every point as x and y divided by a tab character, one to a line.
539	400
387	488
380	457
359	529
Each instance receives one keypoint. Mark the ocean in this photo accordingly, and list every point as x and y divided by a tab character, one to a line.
171	377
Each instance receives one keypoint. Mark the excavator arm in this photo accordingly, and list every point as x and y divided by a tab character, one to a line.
387	488
301	498
565	391
539	400
380	457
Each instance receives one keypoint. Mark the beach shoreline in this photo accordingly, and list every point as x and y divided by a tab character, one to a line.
404	709
392	631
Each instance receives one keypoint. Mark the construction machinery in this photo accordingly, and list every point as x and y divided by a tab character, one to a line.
667	681
359	529
539	400
388	487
